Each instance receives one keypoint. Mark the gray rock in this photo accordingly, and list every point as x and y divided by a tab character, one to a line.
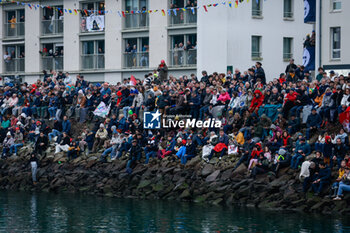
213	176
208	169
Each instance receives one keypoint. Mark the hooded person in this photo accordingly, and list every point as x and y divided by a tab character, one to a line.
162	71
257	101
257	150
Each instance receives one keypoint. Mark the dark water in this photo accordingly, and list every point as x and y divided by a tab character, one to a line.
23	212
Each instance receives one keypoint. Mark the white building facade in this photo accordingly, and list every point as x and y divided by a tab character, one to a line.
223	38
333	35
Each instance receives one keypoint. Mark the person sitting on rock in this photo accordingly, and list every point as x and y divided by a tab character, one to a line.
8	142
115	142
18	141
247	149
257	150
281	160
41	144
134	155
124	146
344	184
221	146
341	173
307	170
151	149
187	151
301	151
170	147
100	137
64	144
322	179
261	167
73	150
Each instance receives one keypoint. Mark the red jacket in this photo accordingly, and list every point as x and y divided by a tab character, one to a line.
257	101
291	97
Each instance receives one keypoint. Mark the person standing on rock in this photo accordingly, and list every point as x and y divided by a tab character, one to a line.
34	165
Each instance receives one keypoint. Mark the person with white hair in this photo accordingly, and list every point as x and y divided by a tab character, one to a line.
7	144
100	137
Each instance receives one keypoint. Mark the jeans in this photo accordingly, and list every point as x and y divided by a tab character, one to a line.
221	153
54	133
15	146
296	160
296	111
52	112
318	187
150	154
203	110
34	171
183	156
343	187
244	158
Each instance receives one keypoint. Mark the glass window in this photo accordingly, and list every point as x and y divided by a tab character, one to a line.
288	9
336	5
336	42
256	8
136	53
256	52
93	54
287	48
183	50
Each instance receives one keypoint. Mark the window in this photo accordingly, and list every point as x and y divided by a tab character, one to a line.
287	48
288	9
52	56
183	50
93	54
336	5
179	17
134	19
256	8
256	47
136	52
14	25
52	21
336	42
92	17
14	58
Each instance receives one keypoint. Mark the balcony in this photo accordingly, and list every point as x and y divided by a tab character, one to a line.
183	18
287	56
136	21
52	27
15	65
92	62
136	60
52	63
14	30
95	23
183	58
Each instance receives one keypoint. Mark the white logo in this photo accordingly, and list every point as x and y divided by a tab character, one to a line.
306	8
306	57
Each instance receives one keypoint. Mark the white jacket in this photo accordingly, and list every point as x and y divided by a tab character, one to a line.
344	100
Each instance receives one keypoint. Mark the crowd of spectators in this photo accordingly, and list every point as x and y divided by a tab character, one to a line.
290	121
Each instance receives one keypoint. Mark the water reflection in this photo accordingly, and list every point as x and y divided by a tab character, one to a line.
22	212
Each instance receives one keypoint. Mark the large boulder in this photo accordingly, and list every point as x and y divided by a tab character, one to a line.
213	176
208	169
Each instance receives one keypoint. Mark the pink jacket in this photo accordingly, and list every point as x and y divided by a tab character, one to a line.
224	97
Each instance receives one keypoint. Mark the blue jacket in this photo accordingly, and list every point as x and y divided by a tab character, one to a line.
324	174
66	126
224	139
314	120
304	147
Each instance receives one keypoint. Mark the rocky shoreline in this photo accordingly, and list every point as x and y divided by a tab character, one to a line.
214	183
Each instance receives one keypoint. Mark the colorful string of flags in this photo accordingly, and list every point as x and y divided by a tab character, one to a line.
121	13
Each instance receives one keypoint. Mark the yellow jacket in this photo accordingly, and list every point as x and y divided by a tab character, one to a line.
239	138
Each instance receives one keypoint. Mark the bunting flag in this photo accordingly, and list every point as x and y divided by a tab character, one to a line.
163	11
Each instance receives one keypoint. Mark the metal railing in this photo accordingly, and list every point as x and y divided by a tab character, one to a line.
52	27
136	60
287	56
52	63
92	62
183	18
257	13
288	14
14	65
14	29
256	54
180	58
136	21
85	28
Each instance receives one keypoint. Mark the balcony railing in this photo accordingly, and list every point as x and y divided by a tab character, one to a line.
133	21
256	13
14	29
93	62
256	55
181	58
14	65
94	23
52	63
288	15
183	18
287	56
52	27
136	60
